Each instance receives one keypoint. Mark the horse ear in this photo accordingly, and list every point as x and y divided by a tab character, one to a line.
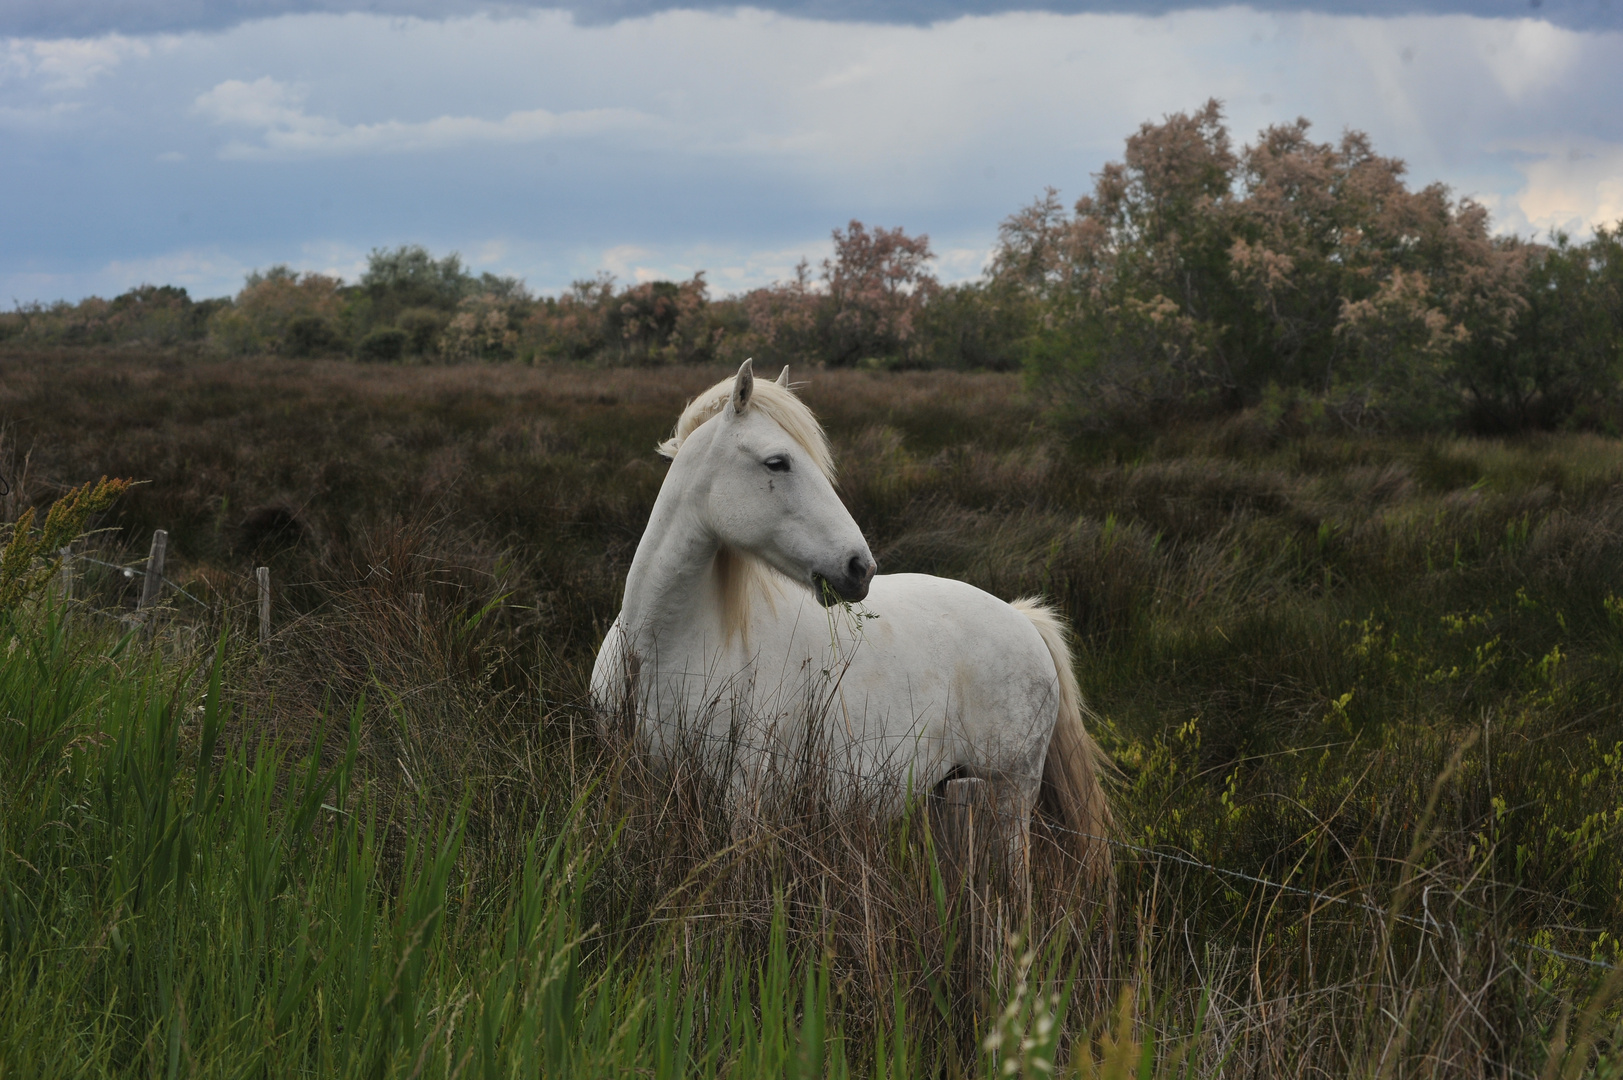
744	386
783	377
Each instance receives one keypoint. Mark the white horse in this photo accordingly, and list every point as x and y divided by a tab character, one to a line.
739	626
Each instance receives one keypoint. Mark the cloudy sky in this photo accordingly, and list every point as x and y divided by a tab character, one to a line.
189	141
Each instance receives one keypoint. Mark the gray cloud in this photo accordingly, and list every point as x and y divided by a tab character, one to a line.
81	18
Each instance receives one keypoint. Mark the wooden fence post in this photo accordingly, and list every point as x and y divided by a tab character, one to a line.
262	576
152	584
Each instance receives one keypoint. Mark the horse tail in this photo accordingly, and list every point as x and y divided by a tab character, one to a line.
1072	787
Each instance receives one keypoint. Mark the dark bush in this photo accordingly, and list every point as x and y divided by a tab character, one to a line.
422	327
974	326
383	346
268	528
311	335
1563	354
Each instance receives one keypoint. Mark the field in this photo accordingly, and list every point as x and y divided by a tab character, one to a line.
1383	671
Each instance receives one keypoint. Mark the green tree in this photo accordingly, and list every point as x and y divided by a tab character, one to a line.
408	276
1565	353
408	288
1137	308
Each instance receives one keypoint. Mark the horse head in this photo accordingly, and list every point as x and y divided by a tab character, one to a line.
764	489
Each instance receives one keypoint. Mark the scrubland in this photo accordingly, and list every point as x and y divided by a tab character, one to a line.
1383	671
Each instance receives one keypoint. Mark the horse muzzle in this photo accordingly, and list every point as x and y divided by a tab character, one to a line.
849	585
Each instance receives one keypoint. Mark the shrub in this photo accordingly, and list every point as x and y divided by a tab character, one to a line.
422	327
868	307
975	325
410	277
1564	353
157	315
145	315
1136	299
269	303
571	326
781	321
482	329
662	322
656	322
310	335
386	345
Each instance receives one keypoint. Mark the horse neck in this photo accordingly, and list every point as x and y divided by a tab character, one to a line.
671	584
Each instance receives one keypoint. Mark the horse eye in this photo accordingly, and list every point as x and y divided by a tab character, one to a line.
777	463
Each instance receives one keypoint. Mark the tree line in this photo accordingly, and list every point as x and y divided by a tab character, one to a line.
1305	278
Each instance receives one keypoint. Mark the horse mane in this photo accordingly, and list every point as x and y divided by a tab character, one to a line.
740	577
779	403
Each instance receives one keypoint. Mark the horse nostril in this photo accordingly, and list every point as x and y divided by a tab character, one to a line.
859	568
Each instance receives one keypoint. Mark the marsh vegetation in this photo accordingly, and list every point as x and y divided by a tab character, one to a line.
1382	669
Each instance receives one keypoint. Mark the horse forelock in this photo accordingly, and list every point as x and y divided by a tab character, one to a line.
778	403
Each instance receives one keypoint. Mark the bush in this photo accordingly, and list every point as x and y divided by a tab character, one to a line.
869	308
410	276
656	322
410	279
269	303
482	329
311	335
383	346
662	322
973	326
1563	355
781	322
145	315
571	326
423	327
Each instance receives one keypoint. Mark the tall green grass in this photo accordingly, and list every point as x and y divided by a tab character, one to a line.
176	904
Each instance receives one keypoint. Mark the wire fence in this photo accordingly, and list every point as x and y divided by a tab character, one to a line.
132	570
